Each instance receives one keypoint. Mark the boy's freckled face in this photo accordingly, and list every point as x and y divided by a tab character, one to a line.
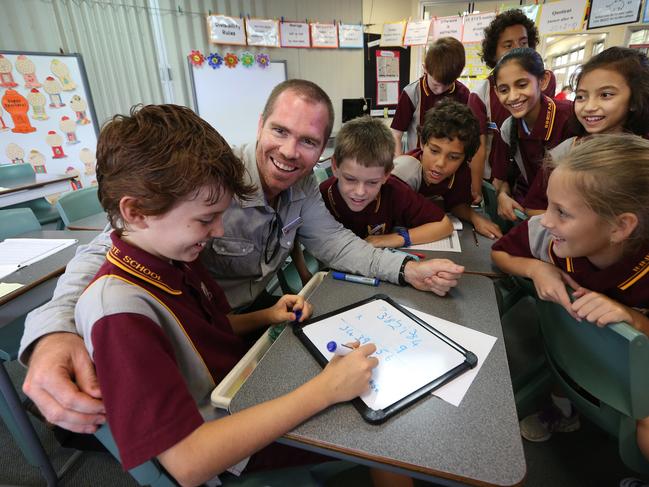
183	232
358	185
441	158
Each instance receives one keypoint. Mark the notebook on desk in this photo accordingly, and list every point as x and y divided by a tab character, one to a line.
414	357
20	252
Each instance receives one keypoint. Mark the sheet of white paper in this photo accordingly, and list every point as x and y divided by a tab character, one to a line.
6	269
9	287
22	252
473	340
448	244
457	223
409	356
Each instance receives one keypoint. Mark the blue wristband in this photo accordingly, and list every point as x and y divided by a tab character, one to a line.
406	236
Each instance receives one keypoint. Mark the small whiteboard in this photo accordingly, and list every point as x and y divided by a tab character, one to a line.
232	99
414	358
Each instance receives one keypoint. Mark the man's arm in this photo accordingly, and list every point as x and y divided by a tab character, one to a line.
398	145
61	378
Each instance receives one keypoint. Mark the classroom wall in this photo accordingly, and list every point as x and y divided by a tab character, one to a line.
119	40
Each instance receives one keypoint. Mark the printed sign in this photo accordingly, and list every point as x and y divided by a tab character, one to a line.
564	16
262	32
226	30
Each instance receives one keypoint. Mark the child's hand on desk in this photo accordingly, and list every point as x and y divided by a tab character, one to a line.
486	227
285	309
345	378
599	309
550	283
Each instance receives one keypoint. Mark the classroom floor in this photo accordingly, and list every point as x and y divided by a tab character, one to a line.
586	458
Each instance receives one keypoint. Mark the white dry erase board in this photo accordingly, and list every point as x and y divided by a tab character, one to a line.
414	358
58	133
232	99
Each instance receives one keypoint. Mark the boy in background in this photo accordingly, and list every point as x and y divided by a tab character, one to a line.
364	197
450	137
443	65
156	324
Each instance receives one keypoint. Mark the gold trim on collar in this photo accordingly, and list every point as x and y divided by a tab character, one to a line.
424	85
450	183
137	271
549	118
641	269
330	196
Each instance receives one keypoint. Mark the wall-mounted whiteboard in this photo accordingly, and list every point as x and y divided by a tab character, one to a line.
59	132
231	99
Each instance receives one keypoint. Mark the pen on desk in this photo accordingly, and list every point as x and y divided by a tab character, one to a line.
341	276
341	349
475	237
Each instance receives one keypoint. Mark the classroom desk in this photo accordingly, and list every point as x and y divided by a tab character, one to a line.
476	259
477	443
40	278
96	222
19	190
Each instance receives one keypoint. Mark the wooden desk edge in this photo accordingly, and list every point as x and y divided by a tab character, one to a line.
35	184
26	287
365	458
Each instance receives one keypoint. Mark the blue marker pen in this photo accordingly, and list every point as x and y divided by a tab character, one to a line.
341	276
341	349
298	315
520	215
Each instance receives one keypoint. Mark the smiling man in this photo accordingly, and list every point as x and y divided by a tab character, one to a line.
259	234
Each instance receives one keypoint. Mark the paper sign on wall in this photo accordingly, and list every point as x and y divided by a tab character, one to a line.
350	35
387	77
222	29
604	13
564	16
324	35
262	32
294	34
474	26
448	27
417	32
393	34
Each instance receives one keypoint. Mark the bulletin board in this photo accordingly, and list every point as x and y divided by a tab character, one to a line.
232	99
47	117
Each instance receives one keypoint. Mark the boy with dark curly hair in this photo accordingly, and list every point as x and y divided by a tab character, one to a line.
450	138
444	62
506	31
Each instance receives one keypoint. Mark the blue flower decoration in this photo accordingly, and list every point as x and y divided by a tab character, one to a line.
215	60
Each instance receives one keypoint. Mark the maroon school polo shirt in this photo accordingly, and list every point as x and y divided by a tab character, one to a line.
427	100
454	191
148	399
396	205
550	129
627	281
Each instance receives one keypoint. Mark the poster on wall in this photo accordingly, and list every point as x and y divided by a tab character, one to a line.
324	35
350	36
474	26
392	34
262	32
294	34
604	13
447	27
417	32
387	77
47	117
564	16
222	29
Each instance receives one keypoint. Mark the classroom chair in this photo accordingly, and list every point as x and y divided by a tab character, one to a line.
45	212
288	275
603	371
16	221
153	474
78	204
490	200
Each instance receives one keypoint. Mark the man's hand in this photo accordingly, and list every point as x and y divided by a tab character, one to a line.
436	275
61	381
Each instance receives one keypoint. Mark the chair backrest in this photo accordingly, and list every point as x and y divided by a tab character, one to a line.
603	371
78	204
16	221
490	198
15	171
149	473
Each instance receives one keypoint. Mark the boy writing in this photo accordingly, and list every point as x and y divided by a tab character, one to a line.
364	197
443	65
450	137
156	324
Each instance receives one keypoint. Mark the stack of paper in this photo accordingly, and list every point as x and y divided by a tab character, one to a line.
20	252
447	244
